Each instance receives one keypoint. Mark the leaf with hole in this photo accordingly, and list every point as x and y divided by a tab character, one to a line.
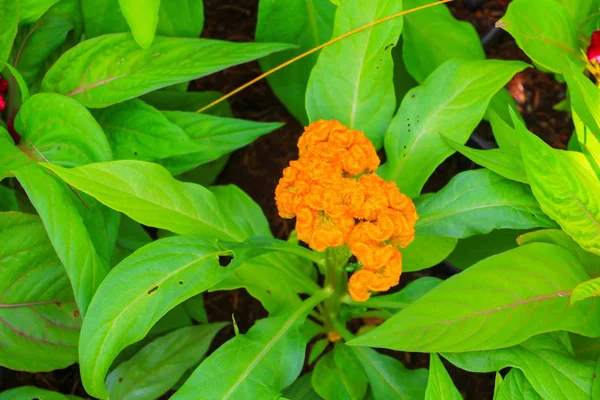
518	309
352	81
477	202
451	102
113	68
153	370
258	364
39	321
307	25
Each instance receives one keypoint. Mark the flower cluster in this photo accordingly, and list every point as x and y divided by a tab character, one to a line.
337	199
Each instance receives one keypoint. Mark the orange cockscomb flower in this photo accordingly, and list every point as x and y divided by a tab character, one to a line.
338	200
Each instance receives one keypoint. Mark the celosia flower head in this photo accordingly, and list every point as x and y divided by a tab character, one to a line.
337	199
593	50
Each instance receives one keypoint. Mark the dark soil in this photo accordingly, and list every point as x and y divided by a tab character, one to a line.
257	167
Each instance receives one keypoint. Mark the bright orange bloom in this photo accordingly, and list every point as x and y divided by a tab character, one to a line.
337	199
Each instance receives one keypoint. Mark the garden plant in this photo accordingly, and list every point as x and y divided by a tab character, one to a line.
112	229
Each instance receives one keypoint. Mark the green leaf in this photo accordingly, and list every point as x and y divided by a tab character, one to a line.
148	194
522	308
476	202
32	10
548	367
213	137
586	289
426	251
13	157
102	17
389	379
152	371
440	385
516	387
180	18
566	187
596	382
497	383
8	199
137	131
590	262
36	43
451	102
504	162
62	130
112	68
585	143
30	392
307	25
504	133
157	277
317	349
170	100
585	348
40	321
131	236
142	17
423	50
9	21
301	389
67	232
400	300
585	98
339	375
579	10
258	364
475	248
352	81
545	33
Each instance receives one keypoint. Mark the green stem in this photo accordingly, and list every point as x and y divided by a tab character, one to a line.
342	330
372	314
335	279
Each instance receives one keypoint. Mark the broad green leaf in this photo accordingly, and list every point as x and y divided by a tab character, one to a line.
131	236
307	25
102	17
451	102
426	251
475	248
545	33
352	80
585	348
40	321
389	379
504	133
66	230
590	262
522	308
596	382
32	10
403	81
580	9
142	17
9	21
194	307
433	36
158	366
586	289
566	187
180	18
497	383
552	372
440	385
62	130
301	389
148	194
516	387
504	162
585	143
400	300
34	44
137	131
213	137
113	68
339	375
171	100
8	199
585	98
31	392
476	202
258	364
157	277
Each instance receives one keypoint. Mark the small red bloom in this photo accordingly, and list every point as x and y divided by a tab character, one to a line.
593	50
2	103
11	129
3	85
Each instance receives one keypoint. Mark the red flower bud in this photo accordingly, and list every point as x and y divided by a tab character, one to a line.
3	85
593	50
2	103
